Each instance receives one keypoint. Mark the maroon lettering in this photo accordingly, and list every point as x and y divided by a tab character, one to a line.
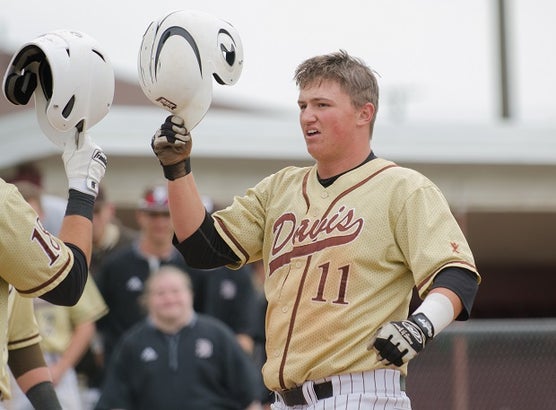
50	247
310	236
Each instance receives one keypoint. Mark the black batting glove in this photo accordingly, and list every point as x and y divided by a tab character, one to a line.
172	146
398	342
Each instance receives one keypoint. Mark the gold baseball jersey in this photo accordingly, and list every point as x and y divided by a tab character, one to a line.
340	261
33	260
56	323
20	331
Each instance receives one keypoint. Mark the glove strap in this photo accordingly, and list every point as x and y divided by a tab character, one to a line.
424	324
179	170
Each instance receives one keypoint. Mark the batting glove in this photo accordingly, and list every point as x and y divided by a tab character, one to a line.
172	145
399	342
85	164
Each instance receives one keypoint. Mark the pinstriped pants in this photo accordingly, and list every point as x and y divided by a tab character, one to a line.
378	390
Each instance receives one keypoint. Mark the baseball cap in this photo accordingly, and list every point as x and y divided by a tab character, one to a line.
155	199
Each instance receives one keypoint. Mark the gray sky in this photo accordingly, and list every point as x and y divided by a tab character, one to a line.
437	59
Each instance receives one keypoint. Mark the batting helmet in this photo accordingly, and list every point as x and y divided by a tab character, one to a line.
180	54
76	82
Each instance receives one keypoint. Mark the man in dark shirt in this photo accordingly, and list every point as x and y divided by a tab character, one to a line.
176	358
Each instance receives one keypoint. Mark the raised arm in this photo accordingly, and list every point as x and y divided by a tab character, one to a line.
172	146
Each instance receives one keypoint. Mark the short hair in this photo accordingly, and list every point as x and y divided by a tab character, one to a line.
352	74
28	190
164	270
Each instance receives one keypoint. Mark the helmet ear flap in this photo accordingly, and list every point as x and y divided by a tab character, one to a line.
21	78
20	87
45	76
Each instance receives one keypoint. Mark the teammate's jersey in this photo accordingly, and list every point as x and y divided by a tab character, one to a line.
20	331
32	260
340	261
56	323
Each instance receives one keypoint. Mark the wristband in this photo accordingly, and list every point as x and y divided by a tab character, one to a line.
81	204
42	396
175	171
438	309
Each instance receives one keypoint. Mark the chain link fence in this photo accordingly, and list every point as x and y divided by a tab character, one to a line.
484	364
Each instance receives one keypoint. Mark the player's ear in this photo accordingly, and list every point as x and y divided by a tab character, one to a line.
366	113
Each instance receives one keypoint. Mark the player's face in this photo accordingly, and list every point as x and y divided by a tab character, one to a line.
331	124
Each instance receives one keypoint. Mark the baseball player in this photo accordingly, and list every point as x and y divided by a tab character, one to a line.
35	262
343	243
65	330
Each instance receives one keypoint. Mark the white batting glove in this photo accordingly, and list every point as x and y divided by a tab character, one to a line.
85	164
398	342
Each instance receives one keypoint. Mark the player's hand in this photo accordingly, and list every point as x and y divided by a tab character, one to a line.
172	145
398	342
85	164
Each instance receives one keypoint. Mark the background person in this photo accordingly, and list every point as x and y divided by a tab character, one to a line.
109	235
122	276
177	358
53	206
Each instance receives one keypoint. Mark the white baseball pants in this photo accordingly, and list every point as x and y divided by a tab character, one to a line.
378	390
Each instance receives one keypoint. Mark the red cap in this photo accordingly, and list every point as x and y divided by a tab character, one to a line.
155	199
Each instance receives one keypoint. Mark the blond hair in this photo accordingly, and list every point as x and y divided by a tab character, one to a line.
351	73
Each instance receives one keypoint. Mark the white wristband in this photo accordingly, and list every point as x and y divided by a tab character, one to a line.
438	309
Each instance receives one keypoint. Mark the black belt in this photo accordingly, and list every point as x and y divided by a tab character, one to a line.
294	397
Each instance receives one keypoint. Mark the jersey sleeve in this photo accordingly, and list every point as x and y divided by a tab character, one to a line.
20	331
242	224
430	237
33	260
23	329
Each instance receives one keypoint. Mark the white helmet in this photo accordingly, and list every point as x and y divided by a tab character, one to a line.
180	54
76	82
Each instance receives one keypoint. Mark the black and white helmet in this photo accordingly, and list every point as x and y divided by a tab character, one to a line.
180	55
70	77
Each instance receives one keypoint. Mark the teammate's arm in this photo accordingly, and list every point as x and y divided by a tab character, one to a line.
85	164
33	377
80	340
